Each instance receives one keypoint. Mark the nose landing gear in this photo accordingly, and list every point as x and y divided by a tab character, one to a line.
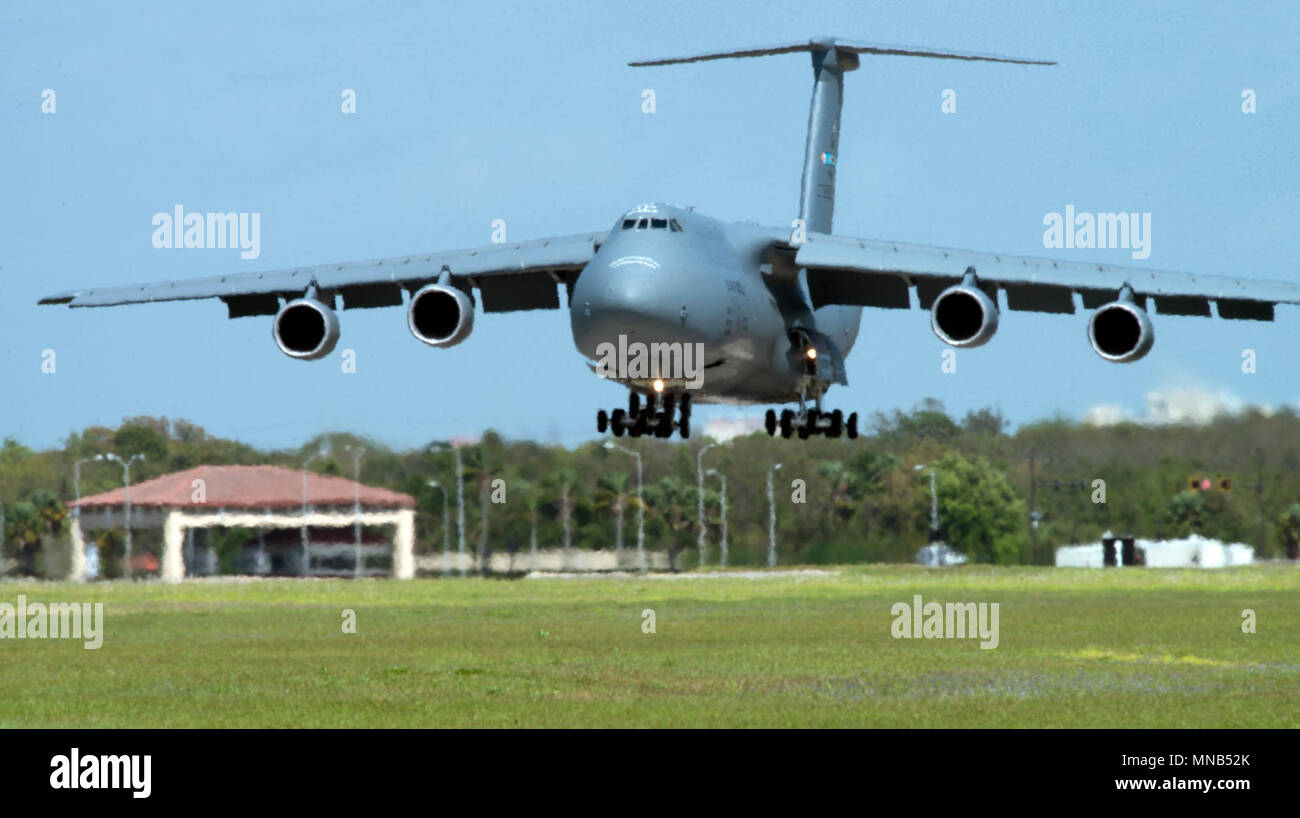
660	416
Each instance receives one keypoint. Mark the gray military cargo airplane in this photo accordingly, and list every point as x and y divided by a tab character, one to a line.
776	310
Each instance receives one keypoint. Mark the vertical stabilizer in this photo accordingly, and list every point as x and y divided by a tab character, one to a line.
831	58
817	191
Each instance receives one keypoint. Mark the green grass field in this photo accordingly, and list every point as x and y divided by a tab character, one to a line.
1078	648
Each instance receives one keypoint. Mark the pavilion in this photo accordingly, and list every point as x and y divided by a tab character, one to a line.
249	496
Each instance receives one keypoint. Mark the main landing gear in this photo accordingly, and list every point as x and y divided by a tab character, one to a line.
660	416
807	422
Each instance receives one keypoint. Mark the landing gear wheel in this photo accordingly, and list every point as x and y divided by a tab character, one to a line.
642	423
837	423
602	421
852	426
686	407
633	404
684	426
811	422
664	428
769	422
787	423
803	431
616	421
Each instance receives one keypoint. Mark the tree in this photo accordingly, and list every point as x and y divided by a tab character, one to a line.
560	486
979	513
611	494
140	439
843	491
671	500
1185	513
1288	529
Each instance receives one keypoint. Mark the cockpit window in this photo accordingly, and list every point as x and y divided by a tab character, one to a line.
676	225
659	224
628	224
641	225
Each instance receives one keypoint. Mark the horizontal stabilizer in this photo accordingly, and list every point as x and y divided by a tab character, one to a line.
849	47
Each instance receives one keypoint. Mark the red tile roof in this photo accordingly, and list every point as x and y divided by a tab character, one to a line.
247	487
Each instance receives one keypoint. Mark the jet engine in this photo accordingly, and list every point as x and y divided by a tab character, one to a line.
964	316
1121	332
306	329
440	315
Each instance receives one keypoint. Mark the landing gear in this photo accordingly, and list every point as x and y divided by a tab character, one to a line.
660	416
807	423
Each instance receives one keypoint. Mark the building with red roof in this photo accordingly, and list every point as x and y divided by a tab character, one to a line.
263	497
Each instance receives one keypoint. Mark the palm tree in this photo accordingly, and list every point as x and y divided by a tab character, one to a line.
844	491
33	520
560	486
530	493
672	500
611	493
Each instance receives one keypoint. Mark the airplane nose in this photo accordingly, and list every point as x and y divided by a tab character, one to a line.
639	306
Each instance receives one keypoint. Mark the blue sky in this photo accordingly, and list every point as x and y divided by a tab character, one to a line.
527	112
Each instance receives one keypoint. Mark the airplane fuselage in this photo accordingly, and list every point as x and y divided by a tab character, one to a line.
670	276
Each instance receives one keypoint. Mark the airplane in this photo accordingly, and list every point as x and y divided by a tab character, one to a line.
776	310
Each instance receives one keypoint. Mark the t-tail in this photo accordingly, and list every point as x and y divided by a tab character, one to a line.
831	58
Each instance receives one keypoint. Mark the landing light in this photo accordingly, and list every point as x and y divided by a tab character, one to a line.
659	385
812	354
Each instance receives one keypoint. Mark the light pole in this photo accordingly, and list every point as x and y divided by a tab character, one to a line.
771	519
446	523
306	554
356	451
460	501
126	483
723	505
640	506
699	481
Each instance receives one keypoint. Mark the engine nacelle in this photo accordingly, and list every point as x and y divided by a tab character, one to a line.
440	315
306	329
1121	332
964	316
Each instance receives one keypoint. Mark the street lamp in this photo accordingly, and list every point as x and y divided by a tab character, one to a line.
460	500
640	506
126	483
771	519
934	503
306	554
356	451
445	523
723	504
699	480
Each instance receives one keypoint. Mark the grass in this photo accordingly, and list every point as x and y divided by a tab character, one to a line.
1078	648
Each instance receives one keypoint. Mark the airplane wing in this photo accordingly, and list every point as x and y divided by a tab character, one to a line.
864	272
518	276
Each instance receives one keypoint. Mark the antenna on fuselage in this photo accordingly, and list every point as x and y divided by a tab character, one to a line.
831	58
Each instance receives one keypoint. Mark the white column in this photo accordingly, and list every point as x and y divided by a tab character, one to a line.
404	545
173	564
77	571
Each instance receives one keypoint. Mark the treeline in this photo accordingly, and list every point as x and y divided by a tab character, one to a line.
836	500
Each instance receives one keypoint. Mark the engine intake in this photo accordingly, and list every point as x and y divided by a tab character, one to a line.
440	315
964	316
306	329
1121	332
